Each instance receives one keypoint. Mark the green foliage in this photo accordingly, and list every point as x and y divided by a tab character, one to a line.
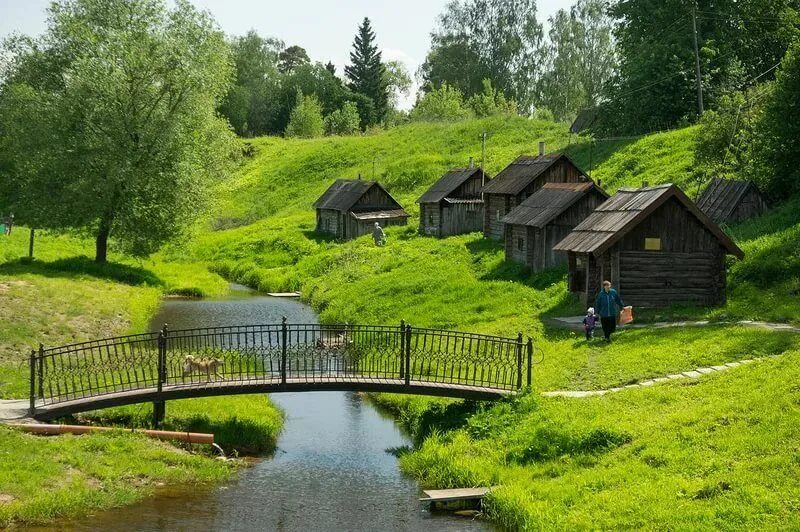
366	74
398	82
491	102
344	121
91	150
291	58
305	120
443	104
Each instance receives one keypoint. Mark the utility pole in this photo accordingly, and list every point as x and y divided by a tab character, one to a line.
483	158
697	60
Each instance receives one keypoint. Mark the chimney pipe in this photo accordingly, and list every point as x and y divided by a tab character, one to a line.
599	182
471	162
645	184
541	148
359	176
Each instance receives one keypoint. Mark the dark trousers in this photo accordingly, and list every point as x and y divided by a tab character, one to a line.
609	324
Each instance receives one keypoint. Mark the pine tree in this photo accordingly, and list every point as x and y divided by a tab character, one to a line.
366	75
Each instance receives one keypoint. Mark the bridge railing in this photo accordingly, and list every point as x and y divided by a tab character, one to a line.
278	354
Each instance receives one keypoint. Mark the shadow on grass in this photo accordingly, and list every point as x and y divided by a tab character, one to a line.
317	237
589	157
77	266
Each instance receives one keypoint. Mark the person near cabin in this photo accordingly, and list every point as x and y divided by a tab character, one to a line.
589	323
608	305
378	235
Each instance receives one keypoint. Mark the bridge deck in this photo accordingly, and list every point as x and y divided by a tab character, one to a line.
45	411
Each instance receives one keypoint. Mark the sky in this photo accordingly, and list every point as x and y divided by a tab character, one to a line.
324	28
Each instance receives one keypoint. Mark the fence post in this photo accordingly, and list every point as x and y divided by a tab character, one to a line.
408	354
402	348
159	405
40	369
32	409
530	361
519	361
284	340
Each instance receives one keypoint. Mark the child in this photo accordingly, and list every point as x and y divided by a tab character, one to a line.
589	323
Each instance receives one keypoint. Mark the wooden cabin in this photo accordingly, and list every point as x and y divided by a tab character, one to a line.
730	201
519	180
350	208
453	205
654	245
540	222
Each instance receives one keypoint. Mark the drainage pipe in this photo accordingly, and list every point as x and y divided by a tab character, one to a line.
50	430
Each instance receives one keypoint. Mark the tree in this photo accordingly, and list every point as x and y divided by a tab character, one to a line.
491	102
367	74
495	39
580	58
344	121
443	104
291	58
330	67
305	120
109	119
398	81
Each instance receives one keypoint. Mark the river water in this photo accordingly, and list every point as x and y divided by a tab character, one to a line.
331	470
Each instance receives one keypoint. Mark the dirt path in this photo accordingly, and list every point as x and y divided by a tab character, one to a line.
576	322
14	410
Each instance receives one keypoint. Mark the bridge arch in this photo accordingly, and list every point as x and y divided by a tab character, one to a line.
165	365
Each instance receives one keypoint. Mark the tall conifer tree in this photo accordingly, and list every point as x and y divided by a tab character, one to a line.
366	74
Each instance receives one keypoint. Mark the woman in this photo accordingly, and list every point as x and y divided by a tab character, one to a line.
608	305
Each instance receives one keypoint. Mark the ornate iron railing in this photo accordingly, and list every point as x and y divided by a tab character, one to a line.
278	354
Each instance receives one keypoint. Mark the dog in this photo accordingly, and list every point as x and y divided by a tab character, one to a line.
203	365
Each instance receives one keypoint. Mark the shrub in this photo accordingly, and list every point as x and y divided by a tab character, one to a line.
491	102
305	121
344	121
444	103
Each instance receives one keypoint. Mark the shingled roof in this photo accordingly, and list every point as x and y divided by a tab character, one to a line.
447	184
625	210
721	197
344	193
522	172
549	202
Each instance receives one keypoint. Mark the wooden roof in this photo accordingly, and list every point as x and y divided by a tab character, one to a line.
522	172
722	196
584	120
549	202
625	210
380	215
448	184
344	193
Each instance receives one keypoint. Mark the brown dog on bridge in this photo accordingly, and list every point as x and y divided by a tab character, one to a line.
203	365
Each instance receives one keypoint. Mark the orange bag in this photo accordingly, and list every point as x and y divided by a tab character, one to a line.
626	316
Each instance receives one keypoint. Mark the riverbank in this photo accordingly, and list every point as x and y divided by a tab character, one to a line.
63	297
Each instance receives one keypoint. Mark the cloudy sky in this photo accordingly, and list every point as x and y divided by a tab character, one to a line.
324	28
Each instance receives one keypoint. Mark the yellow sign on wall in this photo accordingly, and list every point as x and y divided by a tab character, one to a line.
652	244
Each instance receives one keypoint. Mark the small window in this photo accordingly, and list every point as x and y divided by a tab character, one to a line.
520	243
430	219
497	213
652	244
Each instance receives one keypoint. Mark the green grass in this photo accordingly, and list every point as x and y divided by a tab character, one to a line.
43	478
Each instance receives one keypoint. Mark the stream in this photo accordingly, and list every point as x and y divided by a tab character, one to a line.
331	469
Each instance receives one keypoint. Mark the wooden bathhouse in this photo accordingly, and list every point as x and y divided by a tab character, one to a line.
350	208
519	180
655	246
453	205
540	222
730	201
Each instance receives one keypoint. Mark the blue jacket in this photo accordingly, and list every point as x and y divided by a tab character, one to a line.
606	303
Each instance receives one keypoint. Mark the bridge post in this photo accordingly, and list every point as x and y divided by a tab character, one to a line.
402	348
530	361
32	409
284	340
40	369
159	405
519	361
159	413
407	343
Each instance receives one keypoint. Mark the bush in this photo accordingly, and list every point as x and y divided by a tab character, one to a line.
444	103
305	121
344	121
544	114
491	102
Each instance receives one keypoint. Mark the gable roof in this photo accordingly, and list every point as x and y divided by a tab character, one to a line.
522	172
549	202
722	196
447	184
625	210
344	193
584	120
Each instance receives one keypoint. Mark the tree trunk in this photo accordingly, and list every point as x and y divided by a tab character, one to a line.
101	243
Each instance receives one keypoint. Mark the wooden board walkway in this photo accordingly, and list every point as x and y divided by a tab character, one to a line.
283	294
456	494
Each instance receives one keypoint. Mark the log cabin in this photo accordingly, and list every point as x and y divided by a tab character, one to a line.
519	180
540	222
350	208
654	245
730	201
453	205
